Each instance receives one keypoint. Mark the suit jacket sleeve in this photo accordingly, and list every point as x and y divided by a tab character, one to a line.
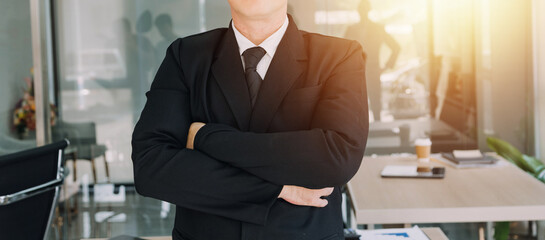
166	170
328	154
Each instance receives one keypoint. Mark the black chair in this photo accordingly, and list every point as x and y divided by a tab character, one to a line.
30	182
84	144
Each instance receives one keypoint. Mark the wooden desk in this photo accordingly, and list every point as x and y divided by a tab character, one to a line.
465	195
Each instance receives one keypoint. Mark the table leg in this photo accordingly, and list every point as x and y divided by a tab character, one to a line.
353	223
540	230
350	212
74	158
481	231
489	231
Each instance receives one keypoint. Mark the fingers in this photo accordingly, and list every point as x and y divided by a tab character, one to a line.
304	196
318	200
324	192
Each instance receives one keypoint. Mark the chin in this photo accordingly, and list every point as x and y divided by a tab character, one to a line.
258	8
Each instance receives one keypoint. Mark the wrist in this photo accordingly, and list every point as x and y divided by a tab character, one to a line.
286	192
193	129
282	192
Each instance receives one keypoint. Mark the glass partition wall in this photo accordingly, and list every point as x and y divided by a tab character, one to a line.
109	52
428	65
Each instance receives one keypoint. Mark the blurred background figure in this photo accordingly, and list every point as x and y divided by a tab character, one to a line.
145	62
371	36
164	25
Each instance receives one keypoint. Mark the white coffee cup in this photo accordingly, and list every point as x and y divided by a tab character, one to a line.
423	149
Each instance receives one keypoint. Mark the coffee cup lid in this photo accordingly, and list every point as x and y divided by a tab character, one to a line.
422	142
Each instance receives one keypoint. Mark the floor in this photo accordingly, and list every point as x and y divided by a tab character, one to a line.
136	216
141	216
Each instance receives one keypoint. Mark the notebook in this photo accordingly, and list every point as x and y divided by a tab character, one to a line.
483	159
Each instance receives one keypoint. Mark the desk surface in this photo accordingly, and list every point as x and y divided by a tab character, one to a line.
503	193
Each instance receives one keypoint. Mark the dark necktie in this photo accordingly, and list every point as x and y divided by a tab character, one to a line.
252	56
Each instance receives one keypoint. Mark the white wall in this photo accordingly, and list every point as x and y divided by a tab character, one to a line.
504	73
15	64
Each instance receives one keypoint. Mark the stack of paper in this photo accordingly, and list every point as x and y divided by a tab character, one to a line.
414	233
467	154
468	158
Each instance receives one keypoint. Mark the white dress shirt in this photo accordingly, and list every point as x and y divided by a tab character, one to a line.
270	45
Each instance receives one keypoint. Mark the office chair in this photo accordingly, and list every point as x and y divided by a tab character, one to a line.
84	144
29	188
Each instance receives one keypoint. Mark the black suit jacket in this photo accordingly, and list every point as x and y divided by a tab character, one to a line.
308	128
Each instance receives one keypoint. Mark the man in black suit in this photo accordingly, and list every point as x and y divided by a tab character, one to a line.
251	130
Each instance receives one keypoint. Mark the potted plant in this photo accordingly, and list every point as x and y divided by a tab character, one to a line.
24	114
529	164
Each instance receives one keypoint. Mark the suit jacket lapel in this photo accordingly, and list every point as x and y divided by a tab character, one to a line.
286	66
228	71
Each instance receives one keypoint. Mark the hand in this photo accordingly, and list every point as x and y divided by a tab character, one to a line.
305	197
193	129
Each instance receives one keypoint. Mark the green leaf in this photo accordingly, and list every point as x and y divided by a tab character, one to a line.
507	151
501	230
540	175
532	164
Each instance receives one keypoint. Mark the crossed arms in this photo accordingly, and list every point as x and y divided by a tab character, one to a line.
238	174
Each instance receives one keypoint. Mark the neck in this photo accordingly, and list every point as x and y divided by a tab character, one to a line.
257	30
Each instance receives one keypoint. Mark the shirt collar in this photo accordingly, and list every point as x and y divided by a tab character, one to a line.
270	44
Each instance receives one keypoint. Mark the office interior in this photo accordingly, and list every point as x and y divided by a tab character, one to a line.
456	72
